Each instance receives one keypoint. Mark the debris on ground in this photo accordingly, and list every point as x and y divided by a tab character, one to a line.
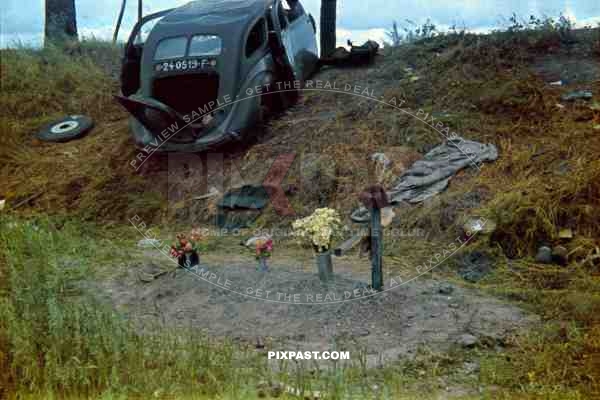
446	288
213	192
544	255
432	174
66	129
556	83
240	207
467	340
358	55
560	255
478	225
577	95
474	266
148	243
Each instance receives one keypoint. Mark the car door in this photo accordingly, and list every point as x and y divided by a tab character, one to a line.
286	36
301	34
132	59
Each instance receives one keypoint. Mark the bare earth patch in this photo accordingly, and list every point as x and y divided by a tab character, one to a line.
388	326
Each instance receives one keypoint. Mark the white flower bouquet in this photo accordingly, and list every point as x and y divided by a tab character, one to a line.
320	228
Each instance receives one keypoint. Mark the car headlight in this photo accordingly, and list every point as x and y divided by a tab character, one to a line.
171	48
205	45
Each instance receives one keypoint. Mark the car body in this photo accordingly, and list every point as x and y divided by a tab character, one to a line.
196	81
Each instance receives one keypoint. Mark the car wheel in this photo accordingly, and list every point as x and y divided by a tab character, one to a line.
66	129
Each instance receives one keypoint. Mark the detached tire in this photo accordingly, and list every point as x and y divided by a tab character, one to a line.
66	129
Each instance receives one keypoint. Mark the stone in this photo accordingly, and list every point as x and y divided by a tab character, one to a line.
466	340
544	255
148	243
471	367
560	255
474	266
446	288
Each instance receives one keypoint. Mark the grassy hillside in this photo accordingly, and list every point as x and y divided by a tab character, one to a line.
56	342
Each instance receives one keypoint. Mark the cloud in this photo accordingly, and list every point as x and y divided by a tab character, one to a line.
357	19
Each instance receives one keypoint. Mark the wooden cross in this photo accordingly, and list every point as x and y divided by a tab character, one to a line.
374	199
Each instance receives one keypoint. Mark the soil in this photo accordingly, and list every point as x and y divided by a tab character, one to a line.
389	325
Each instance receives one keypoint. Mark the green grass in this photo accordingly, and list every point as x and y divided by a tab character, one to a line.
58	341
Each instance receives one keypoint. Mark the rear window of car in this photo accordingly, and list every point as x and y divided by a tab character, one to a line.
205	45
256	38
171	48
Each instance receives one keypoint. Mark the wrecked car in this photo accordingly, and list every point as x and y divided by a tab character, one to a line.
188	72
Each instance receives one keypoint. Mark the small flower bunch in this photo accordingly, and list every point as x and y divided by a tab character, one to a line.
320	228
194	242
264	248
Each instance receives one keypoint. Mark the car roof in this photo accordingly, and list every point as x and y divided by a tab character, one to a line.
221	10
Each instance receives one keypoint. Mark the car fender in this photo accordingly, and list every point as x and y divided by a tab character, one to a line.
251	96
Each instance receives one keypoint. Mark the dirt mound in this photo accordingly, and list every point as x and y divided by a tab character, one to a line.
392	324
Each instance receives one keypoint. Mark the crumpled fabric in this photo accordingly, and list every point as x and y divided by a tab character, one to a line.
432	174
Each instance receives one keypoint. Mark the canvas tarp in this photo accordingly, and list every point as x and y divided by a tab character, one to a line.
432	174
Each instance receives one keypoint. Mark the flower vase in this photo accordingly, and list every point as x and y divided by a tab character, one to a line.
188	260
325	266
262	264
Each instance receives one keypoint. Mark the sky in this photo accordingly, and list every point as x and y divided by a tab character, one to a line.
358	20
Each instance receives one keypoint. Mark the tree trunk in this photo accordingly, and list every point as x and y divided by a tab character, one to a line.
328	10
61	23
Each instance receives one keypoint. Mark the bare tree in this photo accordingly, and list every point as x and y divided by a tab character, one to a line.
61	22
328	10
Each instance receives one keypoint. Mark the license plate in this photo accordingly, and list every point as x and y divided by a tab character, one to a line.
185	65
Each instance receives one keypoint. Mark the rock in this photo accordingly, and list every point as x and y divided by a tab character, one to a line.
544	255
467	340
471	367
475	266
148	243
261	389
276	389
559	255
2	204
446	288
360	332
577	95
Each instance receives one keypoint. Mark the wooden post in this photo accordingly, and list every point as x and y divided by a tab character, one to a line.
376	249
375	198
